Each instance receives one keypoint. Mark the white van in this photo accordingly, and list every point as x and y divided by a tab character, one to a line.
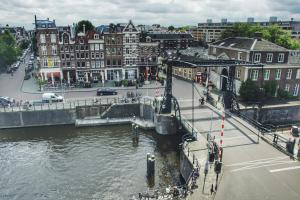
52	97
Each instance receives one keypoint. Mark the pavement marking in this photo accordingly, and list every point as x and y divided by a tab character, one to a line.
253	161
284	169
260	166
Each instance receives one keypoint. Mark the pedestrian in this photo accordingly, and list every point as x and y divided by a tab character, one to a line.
212	189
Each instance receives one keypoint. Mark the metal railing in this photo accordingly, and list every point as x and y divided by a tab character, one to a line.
72	104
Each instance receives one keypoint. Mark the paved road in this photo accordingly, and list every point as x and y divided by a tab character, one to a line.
252	170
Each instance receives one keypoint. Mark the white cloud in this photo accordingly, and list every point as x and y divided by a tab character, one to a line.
165	12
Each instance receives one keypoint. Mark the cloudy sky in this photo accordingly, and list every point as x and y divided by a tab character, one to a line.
165	12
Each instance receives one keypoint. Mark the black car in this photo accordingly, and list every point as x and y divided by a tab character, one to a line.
6	101
106	91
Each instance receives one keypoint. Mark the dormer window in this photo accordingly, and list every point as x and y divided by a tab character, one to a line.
96	36
81	41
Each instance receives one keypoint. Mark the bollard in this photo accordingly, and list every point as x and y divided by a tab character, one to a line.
150	165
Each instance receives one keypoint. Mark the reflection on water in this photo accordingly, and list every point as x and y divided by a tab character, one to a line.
63	162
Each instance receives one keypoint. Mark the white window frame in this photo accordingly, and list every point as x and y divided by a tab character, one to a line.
44	50
287	87
53	38
269	57
42	38
296	90
257	57
54	50
267	74
298	74
289	74
92	47
281	57
98	64
97	47
254	75
277	74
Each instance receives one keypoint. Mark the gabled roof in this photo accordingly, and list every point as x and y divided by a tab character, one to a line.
246	43
130	28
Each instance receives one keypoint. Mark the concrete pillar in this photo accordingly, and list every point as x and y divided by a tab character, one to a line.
52	78
68	77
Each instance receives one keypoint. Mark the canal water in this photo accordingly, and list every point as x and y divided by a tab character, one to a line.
64	162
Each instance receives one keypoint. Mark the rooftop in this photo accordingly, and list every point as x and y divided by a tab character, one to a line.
246	43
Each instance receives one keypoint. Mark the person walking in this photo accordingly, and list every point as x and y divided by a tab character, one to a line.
212	189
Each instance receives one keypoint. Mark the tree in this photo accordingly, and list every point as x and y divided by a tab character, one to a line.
270	89
273	34
88	26
9	52
171	28
249	91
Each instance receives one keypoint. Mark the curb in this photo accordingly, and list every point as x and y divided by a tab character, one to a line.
91	90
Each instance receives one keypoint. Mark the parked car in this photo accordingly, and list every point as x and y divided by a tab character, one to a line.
6	101
51	97
106	91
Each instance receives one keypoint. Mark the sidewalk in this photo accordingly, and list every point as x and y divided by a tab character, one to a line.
30	87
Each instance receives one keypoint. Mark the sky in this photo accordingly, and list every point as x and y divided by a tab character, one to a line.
164	12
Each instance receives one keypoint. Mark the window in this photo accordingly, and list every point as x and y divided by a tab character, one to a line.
81	41
42	38
238	73
267	75
77	55
269	57
82	55
278	74
101	46
68	64
102	55
97	64
298	74
96	47
287	87
114	62
83	64
93	64
96	36
239	55
55	62
254	75
92	55
127	50
296	90
86	55
257	57
119	62
289	74
54	50
281	57
44	50
45	62
108	62
81	47
97	54
92	47
66	48
53	38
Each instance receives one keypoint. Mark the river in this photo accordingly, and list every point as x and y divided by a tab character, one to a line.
64	162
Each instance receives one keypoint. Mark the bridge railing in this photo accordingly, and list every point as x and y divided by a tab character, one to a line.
72	104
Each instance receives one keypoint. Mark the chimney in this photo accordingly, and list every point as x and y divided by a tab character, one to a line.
84	29
258	36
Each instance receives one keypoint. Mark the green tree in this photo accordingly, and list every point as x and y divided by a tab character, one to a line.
270	88
273	34
249	91
7	39
9	52
88	26
171	28
24	44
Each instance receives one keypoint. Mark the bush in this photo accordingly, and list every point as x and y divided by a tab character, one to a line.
249	91
270	89
282	94
125	83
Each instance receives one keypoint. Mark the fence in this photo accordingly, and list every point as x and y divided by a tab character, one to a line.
72	104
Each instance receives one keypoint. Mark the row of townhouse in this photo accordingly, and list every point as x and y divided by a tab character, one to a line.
279	64
108	53
19	33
